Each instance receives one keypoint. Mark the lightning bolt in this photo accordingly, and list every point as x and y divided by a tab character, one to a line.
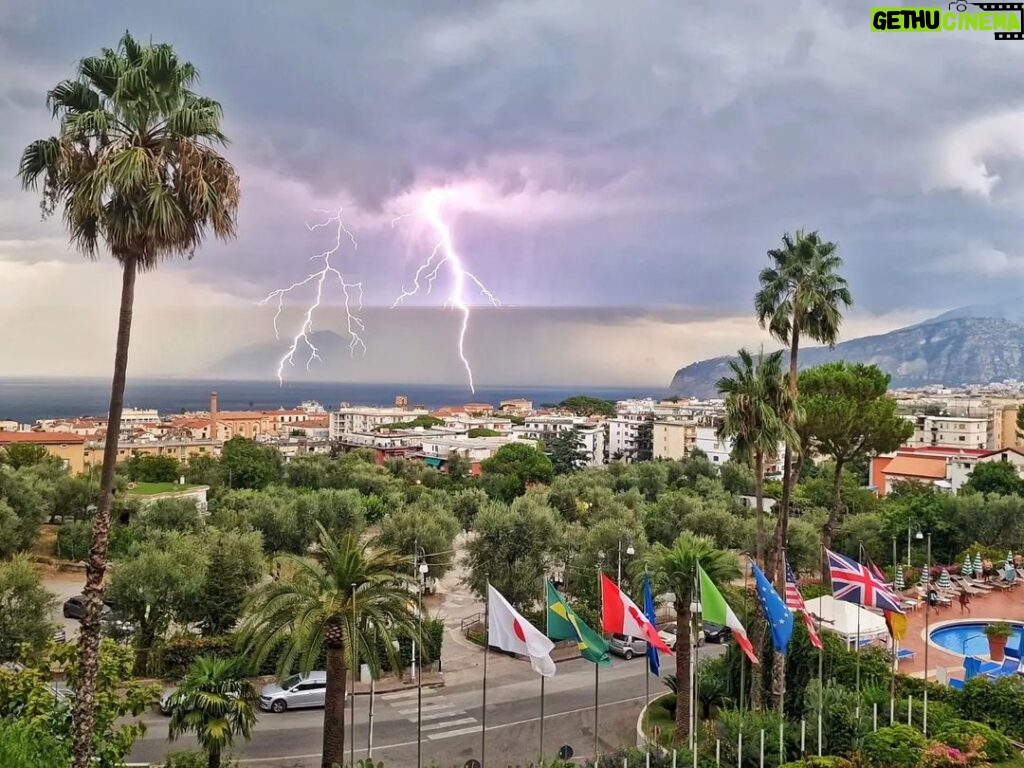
301	340
445	253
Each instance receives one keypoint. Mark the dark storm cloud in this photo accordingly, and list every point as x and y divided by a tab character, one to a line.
678	140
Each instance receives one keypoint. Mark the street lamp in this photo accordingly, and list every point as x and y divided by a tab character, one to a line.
420	570
927	603
630	552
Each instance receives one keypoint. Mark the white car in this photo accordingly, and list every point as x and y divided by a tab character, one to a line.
667	633
296	692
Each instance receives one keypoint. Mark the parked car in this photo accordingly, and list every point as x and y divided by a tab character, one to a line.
74	608
297	692
716	633
667	633
165	700
627	647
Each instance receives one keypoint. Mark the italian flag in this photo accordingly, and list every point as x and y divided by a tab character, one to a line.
715	609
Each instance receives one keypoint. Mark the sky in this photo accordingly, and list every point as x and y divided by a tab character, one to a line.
614	174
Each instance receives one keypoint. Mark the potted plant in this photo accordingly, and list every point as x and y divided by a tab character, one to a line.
997	633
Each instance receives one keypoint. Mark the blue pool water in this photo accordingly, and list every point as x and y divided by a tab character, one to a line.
967	638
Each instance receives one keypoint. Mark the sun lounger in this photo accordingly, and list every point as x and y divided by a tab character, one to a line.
905	653
1007	668
956	684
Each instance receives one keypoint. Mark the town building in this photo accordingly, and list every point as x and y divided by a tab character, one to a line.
133	416
436	451
543	429
66	446
626	435
366	419
949	432
673	439
517	406
181	450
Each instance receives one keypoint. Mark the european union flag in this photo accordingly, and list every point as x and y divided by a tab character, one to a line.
653	662
779	616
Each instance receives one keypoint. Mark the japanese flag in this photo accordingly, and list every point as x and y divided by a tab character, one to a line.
507	630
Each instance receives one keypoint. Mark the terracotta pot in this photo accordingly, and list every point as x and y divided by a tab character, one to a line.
997	648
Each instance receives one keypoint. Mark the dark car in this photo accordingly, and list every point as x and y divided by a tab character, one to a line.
716	633
74	608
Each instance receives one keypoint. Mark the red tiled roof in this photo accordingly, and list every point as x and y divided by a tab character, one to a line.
41	438
917	466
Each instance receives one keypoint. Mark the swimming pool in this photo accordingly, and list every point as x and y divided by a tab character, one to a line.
967	638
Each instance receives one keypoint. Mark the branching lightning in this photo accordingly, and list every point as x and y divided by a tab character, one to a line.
445	253
349	292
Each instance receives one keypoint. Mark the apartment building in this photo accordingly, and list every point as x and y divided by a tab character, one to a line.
674	439
517	406
366	419
131	417
66	446
544	428
626	435
949	432
436	451
707	441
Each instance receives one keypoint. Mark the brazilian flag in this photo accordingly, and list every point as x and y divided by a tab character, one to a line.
564	624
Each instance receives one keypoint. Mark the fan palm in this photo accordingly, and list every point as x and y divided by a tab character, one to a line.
756	402
351	601
135	171
674	569
215	703
801	294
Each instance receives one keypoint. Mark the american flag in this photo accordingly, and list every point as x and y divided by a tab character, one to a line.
795	603
855	583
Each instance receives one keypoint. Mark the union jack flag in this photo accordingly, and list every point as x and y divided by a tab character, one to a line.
855	583
795	603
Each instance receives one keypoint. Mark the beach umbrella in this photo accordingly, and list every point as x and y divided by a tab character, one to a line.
900	584
926	575
1009	559
978	571
968	569
944	580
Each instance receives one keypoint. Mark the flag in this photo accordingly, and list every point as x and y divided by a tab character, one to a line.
620	615
795	602
509	631
897	624
715	609
653	660
564	624
780	618
854	583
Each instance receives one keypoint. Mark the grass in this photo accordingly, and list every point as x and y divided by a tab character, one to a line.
1017	763
658	717
151	489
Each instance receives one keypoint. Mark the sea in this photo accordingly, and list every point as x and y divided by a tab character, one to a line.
28	399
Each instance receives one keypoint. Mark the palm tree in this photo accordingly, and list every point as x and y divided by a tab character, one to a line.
135	172
352	600
215	703
675	570
801	294
756	402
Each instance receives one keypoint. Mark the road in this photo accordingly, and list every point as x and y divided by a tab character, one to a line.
452	724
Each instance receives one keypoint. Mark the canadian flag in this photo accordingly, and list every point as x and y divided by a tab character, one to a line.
507	630
620	615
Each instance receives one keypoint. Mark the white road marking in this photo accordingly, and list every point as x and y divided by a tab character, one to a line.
450	734
438	726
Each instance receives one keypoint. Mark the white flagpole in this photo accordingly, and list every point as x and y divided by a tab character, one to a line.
487	646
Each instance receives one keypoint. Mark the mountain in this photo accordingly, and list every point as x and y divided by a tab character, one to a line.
956	348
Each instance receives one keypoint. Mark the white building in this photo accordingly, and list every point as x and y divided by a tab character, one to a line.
949	432
544	428
706	440
624	435
131	417
367	419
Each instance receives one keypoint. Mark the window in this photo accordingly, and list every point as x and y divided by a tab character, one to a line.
962	438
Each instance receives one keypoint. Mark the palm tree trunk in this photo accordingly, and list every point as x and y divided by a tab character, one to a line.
334	709
213	758
779	681
96	565
683	639
829	529
759	498
782	524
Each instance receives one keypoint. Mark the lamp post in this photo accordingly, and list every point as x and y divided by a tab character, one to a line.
420	570
630	552
927	603
919	537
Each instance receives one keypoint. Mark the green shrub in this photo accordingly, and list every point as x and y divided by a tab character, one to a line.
190	759
73	540
173	659
731	723
958	733
826	761
996	703
897	746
